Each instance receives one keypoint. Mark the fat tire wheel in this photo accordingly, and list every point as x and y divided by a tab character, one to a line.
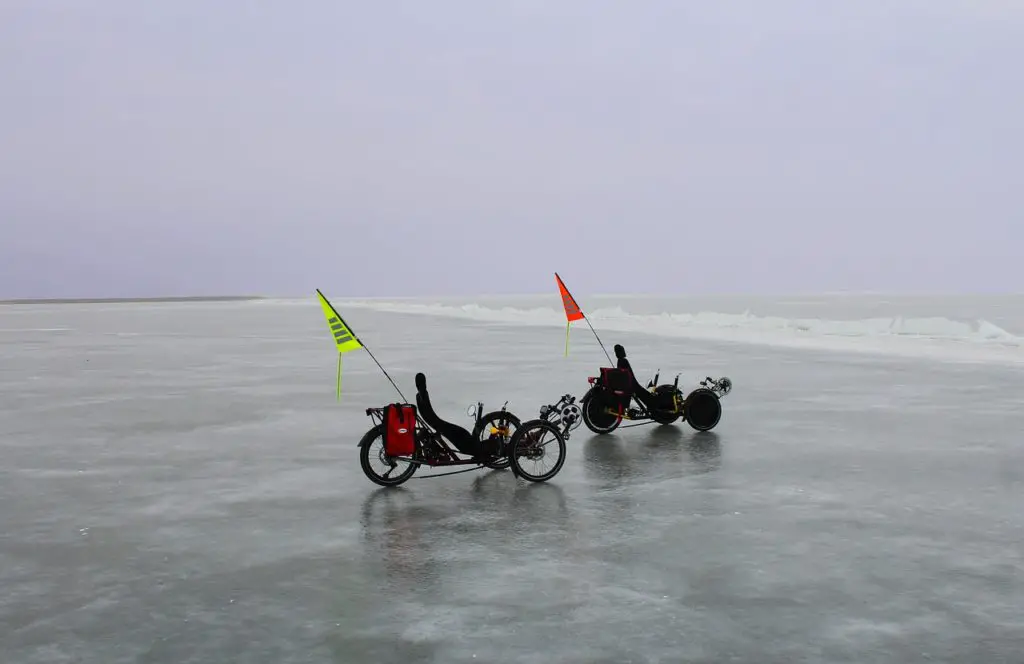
519	437
502	462
364	460
595	417
703	409
664	393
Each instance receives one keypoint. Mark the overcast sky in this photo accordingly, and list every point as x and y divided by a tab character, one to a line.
460	147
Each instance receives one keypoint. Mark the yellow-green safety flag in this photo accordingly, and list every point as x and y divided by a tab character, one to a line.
344	338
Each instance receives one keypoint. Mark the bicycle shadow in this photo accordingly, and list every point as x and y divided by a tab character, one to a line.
666	453
405	528
394	528
528	500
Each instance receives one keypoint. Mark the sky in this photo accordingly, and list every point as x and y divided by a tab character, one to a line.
404	148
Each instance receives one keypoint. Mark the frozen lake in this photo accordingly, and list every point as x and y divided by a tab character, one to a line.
179	485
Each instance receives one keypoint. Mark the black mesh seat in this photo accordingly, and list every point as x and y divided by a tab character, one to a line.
453	433
639	392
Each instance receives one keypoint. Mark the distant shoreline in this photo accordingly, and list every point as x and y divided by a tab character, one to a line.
128	300
497	296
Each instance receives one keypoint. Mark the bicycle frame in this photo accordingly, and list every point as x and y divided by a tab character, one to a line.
677	400
432	449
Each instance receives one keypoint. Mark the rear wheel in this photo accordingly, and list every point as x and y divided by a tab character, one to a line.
596	416
703	409
371	452
533	445
497	428
664	396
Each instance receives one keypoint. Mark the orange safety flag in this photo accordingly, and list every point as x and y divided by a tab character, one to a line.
572	310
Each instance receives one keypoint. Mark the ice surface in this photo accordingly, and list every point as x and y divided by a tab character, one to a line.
191	492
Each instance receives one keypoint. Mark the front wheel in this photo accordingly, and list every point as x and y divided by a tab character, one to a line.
371	449
496	429
532	445
596	416
703	409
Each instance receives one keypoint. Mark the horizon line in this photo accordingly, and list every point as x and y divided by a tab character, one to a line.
251	297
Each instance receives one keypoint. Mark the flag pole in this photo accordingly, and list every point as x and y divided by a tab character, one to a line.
385	373
598	339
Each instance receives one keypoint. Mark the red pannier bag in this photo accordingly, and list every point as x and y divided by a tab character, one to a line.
619	386
399	429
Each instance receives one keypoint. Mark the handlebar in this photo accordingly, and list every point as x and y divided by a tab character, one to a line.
565	400
476	411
